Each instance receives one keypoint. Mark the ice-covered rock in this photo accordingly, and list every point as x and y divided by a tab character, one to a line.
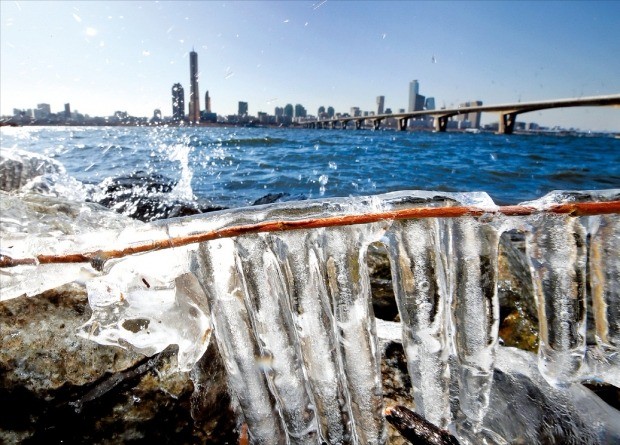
291	314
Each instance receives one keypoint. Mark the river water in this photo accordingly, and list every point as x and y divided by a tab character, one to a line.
235	166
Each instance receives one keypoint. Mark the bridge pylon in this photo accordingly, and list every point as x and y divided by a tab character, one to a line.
507	123
402	123
440	123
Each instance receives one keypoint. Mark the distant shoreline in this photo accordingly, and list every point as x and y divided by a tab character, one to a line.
560	132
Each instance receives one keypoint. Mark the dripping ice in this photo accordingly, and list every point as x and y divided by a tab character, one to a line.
292	315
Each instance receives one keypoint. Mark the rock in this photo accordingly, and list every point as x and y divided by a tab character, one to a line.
396	384
383	301
57	387
148	182
147	197
417	429
518	312
270	198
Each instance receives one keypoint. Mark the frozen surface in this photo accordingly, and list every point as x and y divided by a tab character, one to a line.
292	315
149	302
31	224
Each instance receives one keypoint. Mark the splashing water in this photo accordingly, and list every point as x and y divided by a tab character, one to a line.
183	189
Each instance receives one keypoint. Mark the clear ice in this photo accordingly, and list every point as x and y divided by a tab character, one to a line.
292	314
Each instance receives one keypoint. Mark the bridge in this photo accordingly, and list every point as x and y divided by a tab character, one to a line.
507	113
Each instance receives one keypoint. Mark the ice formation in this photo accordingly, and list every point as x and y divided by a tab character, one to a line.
291	313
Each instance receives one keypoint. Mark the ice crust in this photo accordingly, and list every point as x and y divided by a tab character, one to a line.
292	313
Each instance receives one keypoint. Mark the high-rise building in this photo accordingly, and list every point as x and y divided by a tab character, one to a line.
67	111
243	109
380	104
43	111
430	103
331	112
414	90
207	102
289	110
194	96
300	111
178	102
419	102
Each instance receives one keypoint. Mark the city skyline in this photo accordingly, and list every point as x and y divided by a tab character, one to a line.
104	57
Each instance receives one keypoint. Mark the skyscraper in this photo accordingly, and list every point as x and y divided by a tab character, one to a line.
380	104
430	103
243	109
300	111
194	96
178	102
207	102
414	90
289	110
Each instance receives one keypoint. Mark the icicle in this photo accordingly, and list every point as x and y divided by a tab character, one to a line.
269	306
315	329
349	284
420	289
557	255
604	262
218	264
475	312
604	279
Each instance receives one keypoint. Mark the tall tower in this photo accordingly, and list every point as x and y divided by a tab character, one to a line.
207	102
178	102
414	90
380	104
194	96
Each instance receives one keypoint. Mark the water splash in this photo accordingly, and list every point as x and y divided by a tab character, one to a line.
183	189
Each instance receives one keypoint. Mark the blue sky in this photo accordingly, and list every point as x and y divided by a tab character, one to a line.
108	56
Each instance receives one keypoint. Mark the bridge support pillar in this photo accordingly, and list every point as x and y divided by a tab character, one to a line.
358	124
376	124
506	123
343	125
332	125
440	123
402	123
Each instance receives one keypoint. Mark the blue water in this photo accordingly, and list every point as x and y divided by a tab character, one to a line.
235	166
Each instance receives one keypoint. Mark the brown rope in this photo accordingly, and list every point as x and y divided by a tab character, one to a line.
98	258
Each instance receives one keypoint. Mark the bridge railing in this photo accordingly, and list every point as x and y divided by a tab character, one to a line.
507	113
